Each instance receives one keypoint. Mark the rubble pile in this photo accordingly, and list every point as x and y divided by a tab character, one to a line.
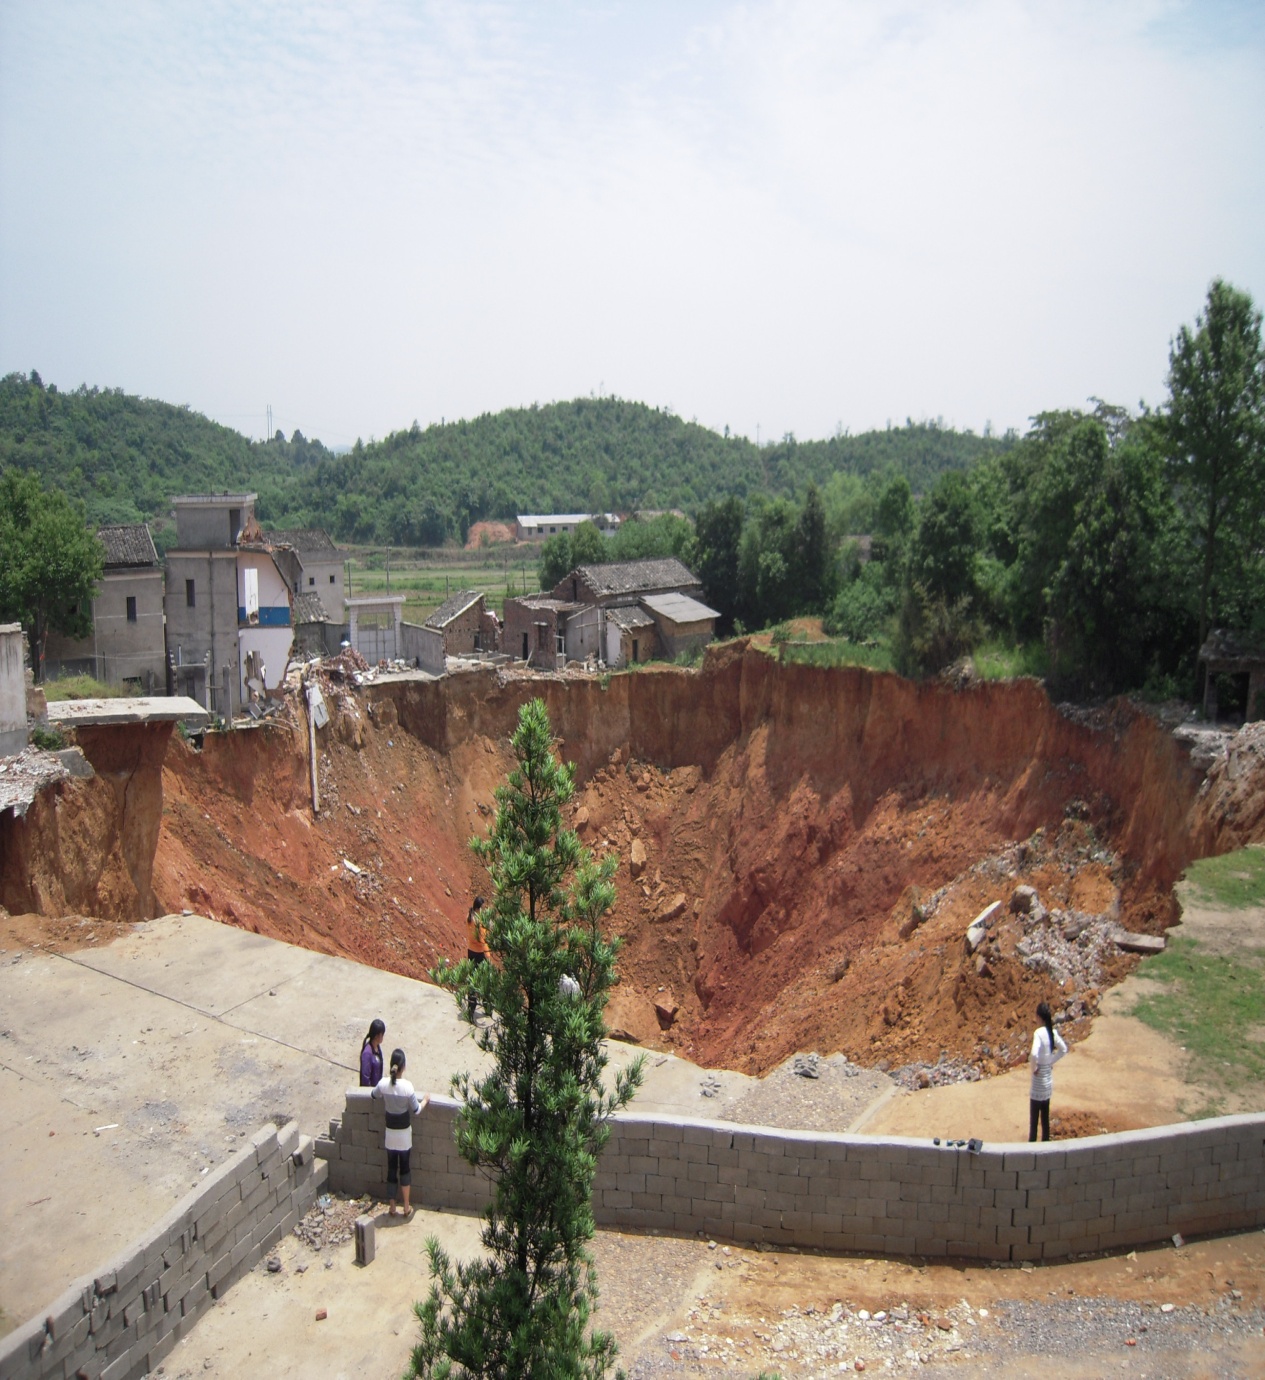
841	1338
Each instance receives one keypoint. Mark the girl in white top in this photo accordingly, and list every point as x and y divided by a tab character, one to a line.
402	1106
1048	1047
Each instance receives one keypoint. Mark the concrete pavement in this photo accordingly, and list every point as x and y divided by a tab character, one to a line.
130	1070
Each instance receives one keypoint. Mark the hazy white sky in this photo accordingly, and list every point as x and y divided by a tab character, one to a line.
784	215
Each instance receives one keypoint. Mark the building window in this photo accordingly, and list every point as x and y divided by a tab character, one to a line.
331	579
234	525
635	646
131	608
311	580
189	600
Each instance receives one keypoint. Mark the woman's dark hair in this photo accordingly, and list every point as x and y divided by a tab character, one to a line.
377	1027
477	904
1043	1014
397	1063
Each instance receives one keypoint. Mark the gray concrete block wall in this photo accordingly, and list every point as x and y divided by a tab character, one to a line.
121	1321
866	1193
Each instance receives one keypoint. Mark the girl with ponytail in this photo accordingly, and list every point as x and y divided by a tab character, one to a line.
402	1105
1048	1047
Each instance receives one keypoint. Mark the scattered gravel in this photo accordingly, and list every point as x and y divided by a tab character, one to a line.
830	1098
959	1340
331	1221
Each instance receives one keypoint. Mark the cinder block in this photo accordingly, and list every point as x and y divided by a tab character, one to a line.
366	1240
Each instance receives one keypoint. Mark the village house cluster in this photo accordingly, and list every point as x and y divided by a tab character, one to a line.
219	618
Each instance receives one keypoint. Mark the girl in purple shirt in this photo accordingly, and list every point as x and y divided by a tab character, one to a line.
371	1055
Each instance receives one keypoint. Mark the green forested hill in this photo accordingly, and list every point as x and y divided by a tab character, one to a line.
125	457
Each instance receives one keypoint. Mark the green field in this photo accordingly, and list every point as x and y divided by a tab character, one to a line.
426	579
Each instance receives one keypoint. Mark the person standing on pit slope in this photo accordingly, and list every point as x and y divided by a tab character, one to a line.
371	1054
1048	1047
402	1106
476	945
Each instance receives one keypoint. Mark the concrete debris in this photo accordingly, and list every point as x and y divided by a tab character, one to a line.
1140	943
946	1070
331	1221
1022	900
24	776
807	1065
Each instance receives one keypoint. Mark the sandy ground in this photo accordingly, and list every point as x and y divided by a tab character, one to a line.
146	1058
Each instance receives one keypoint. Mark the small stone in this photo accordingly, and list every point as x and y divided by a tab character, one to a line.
274	1265
1167	1307
321	1315
636	859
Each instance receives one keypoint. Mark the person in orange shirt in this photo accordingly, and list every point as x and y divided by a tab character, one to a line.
476	945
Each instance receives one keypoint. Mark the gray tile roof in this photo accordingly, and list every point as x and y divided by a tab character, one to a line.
636	577
452	607
127	544
308	608
1231	645
309	541
630	617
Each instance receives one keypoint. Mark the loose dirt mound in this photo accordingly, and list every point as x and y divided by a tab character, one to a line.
802	850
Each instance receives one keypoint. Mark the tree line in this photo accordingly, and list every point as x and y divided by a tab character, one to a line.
125	458
1106	542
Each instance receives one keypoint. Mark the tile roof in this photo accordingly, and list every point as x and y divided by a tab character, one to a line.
680	608
309	540
629	617
308	608
634	577
452	607
128	544
1233	645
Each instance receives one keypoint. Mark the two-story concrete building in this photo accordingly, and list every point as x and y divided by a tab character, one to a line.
228	604
127	645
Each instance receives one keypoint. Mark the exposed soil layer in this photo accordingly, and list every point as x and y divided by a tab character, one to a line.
801	849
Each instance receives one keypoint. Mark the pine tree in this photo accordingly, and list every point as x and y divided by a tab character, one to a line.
538	1121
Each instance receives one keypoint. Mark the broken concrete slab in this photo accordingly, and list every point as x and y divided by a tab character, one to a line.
977	930
1141	943
140	709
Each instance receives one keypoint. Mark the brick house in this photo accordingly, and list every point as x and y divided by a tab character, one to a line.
462	625
631	611
535	629
127	645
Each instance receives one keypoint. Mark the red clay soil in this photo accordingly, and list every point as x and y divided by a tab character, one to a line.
790	817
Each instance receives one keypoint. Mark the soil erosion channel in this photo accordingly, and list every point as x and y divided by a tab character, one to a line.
801	849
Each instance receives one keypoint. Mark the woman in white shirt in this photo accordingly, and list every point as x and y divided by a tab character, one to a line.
402	1106
1048	1047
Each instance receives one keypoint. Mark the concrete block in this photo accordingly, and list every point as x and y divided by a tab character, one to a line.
366	1240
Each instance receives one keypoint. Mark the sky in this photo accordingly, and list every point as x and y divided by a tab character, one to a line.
790	217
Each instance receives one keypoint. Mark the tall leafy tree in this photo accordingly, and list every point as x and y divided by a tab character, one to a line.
50	563
1215	426
718	539
814	563
555	559
537	1122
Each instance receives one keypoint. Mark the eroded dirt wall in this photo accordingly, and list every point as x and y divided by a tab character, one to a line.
87	846
801	849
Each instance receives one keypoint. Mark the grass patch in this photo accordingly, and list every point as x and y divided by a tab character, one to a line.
1233	880
1214	1006
81	688
1001	661
837	653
